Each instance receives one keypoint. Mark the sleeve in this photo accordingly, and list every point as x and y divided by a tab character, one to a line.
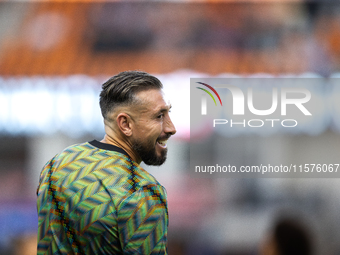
44	176
143	221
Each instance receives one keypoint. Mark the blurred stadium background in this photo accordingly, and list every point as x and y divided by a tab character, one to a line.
54	55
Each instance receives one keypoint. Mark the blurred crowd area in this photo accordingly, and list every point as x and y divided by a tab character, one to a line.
53	41
61	38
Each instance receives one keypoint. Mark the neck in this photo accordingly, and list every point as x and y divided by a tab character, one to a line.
110	139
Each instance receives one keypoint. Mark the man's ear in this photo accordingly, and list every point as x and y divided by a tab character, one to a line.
124	123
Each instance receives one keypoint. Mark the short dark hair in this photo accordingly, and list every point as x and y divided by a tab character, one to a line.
122	88
292	238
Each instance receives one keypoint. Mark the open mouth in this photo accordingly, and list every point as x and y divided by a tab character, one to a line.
162	143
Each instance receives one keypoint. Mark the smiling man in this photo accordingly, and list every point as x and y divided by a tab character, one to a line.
94	198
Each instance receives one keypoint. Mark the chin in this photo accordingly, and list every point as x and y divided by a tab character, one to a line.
155	160
150	154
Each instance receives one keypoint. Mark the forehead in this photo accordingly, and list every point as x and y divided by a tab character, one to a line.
153	99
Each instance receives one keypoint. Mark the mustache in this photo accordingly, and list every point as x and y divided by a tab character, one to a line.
164	137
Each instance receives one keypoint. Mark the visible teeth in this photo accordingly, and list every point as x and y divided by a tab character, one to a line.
162	142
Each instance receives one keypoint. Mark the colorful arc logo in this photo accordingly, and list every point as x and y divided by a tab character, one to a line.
213	90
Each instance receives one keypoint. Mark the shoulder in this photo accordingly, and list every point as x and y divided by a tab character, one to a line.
83	162
138	185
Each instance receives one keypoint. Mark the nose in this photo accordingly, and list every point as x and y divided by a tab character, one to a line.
169	127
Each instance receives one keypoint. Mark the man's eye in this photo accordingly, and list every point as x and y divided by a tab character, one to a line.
160	116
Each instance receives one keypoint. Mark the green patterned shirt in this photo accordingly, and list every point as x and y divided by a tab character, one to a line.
93	199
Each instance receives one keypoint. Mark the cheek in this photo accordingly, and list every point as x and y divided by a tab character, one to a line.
150	130
155	130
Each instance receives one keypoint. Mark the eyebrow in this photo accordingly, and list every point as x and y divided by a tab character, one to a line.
164	109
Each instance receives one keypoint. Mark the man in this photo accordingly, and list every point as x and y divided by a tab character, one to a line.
94	198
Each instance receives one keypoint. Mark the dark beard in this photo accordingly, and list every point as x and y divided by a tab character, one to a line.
147	152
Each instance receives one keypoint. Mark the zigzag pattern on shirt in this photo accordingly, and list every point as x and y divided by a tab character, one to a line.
96	201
